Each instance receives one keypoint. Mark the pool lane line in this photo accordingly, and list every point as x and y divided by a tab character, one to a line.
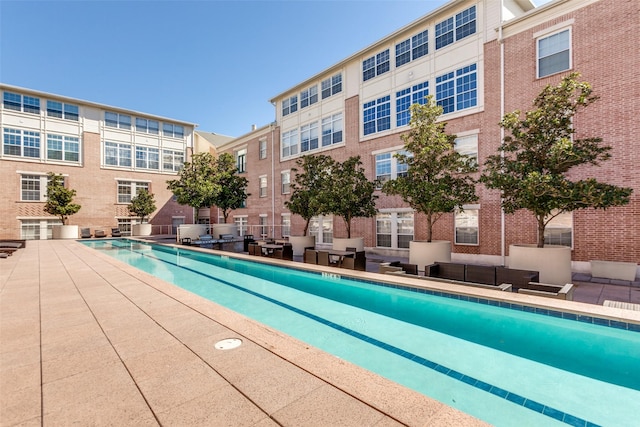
481	385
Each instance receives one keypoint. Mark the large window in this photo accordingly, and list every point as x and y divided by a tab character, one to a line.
286	182
285	224
322	228
412	48
17	102
554	53
16	142
290	143
394	229
331	86
377	115
466	225
290	105
309	137
36	229
332	130
263	186
116	120
456	28
147	158
375	65
262	149
62	110
66	148
242	222
241	160
457	90
309	96
468	146
416	94
559	230
33	188
147	126
116	154
173	131
172	160
129	189
389	167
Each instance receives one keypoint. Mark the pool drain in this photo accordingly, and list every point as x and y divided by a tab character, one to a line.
228	344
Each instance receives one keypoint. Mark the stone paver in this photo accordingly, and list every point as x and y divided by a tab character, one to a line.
85	340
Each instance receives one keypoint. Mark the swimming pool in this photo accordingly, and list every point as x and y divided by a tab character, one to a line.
505	365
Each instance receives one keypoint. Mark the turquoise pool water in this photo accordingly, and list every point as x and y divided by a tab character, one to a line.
505	365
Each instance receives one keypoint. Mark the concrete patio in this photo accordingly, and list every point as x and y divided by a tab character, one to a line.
87	340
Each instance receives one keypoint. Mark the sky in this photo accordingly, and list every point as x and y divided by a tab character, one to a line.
213	63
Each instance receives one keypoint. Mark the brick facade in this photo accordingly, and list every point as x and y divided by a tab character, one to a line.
605	55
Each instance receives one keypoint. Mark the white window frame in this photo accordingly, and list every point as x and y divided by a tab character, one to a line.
569	50
468	218
262	149
133	186
285	224
262	179
394	218
34	177
174	158
555	226
242	222
321	227
285	179
466	143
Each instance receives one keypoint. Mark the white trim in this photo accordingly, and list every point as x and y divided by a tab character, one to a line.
387	150
554	28
132	180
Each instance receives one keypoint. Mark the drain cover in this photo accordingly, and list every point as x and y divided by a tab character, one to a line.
228	344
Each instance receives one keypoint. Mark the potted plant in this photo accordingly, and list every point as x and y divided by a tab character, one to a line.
532	172
142	205
349	195
307	195
60	203
195	187
232	192
438	178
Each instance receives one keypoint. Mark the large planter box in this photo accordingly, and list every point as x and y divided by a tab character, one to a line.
424	253
65	231
141	229
298	243
614	270
191	231
553	262
228	229
341	243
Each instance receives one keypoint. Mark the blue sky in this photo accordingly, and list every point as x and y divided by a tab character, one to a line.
213	63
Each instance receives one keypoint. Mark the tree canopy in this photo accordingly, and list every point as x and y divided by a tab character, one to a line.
232	188
326	186
307	188
142	205
196	185
349	194
207	181
59	198
532	168
437	179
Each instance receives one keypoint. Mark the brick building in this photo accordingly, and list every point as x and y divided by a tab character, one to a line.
480	59
105	153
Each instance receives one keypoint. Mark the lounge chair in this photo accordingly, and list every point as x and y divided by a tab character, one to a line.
85	233
310	256
115	232
100	233
3	255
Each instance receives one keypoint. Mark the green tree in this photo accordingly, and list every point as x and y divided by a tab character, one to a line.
307	188
142	205
348	193
232	188
197	185
532	167
437	179
59	198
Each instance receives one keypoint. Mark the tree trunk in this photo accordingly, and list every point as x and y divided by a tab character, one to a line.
541	227
306	227
429	227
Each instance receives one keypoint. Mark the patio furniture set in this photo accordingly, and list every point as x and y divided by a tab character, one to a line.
484	276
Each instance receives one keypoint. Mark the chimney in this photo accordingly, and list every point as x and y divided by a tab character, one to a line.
253	127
